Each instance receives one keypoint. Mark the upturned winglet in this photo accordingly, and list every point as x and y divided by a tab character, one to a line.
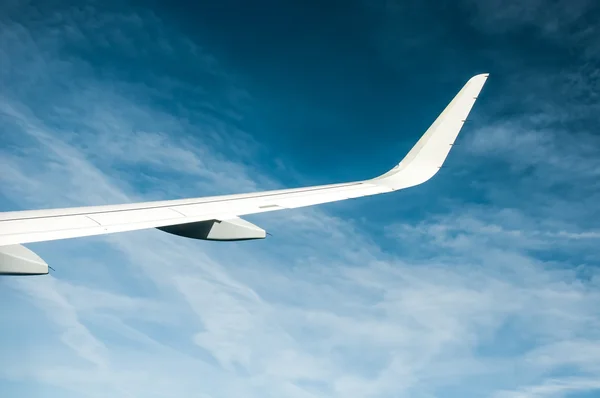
429	153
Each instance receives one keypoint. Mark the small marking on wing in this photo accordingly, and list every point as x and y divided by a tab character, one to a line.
267	206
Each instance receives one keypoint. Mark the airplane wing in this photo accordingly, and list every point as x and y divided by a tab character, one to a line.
218	217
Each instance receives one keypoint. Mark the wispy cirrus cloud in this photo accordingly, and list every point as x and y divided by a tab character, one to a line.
457	303
551	19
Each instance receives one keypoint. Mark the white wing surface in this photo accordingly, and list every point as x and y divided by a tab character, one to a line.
218	216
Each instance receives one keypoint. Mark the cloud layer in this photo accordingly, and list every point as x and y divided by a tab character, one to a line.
493	290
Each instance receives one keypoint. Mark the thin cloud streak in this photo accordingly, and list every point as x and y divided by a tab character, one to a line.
319	310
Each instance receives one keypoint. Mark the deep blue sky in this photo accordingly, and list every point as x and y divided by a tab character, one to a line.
482	282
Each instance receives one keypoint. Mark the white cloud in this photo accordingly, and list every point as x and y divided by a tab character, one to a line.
551	19
553	388
318	310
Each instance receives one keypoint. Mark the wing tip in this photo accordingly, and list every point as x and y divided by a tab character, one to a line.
482	77
429	164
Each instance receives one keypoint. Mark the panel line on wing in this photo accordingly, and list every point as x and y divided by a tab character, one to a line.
94	220
199	202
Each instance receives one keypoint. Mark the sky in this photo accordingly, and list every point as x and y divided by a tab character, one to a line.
483	282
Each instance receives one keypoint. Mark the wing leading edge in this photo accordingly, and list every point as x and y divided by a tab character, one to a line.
420	164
